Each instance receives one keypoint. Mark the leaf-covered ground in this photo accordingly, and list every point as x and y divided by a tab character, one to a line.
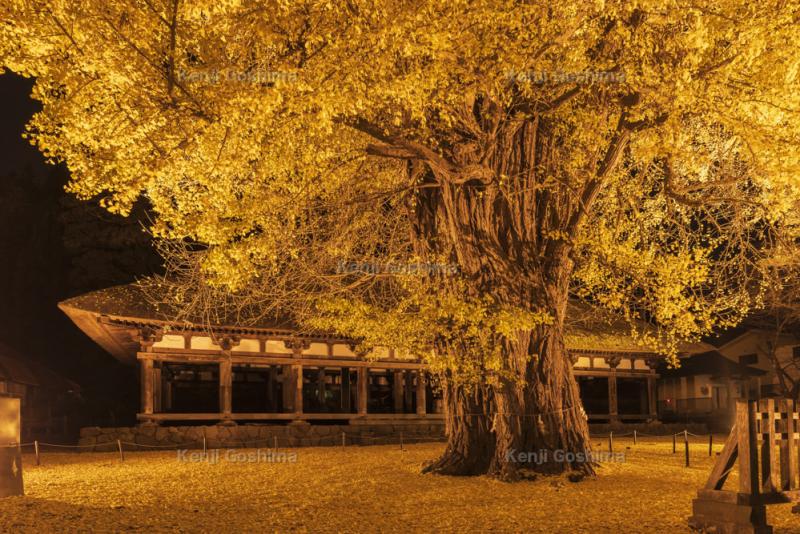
355	489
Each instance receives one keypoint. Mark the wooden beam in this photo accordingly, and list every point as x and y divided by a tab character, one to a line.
725	462
789	455
620	373
748	448
236	358
769	462
285	416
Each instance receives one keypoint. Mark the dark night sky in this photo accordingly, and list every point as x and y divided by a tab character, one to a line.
15	111
53	247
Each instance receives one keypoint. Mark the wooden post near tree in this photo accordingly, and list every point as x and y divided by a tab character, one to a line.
760	427
686	445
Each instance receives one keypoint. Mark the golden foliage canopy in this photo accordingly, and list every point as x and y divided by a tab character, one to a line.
673	130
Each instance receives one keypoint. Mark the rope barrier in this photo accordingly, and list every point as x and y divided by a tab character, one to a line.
334	440
175	446
41	443
341	439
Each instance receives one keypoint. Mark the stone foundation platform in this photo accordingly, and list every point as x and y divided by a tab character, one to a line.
150	437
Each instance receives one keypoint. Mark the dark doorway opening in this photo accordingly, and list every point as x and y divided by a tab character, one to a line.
632	396
594	394
257	389
189	388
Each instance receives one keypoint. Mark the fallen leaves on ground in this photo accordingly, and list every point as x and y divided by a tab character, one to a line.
356	489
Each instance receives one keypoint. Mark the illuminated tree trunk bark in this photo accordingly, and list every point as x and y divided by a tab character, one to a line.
540	423
532	422
470	441
510	237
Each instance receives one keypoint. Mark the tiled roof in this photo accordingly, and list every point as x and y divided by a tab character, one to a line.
587	329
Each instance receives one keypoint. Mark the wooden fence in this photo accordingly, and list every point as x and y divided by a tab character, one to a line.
765	446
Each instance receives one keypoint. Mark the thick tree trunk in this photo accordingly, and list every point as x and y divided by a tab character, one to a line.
531	422
511	238
470	440
540	423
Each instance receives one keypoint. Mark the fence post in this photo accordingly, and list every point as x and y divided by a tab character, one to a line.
36	451
275	443
344	439
205	449
711	444
674	444
686	445
121	454
611	442
634	437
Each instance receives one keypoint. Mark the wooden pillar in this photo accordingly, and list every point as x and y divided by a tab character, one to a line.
421	393
612	397
345	396
297	372
397	391
652	398
747	430
363	390
288	386
226	387
146	366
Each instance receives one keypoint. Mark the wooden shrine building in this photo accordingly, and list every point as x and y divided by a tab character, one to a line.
270	373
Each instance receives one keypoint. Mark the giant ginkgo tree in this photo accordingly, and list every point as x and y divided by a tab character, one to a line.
631	155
